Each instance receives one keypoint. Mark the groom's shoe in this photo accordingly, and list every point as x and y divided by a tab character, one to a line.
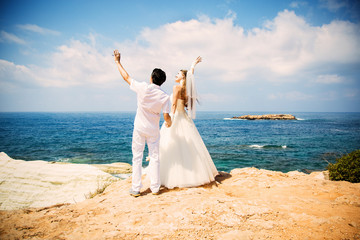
134	193
156	193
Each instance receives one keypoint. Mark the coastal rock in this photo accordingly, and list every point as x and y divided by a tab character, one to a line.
39	183
246	203
267	117
115	168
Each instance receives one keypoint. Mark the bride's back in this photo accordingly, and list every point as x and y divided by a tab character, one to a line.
180	106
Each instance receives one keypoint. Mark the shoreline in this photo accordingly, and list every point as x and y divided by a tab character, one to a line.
28	184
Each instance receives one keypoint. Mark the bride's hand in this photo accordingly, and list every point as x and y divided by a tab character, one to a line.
197	60
116	56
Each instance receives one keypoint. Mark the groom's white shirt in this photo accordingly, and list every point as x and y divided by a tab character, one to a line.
151	100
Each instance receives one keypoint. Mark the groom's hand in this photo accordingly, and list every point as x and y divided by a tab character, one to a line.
167	119
116	56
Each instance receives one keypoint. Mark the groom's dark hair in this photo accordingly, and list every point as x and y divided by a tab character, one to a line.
158	76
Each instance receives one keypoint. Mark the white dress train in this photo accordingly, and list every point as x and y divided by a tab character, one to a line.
184	158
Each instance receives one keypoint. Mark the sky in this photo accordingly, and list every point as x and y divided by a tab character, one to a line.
258	56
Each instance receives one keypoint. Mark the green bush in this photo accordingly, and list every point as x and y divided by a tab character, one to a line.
346	168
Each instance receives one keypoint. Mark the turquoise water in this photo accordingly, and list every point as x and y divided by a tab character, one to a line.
106	137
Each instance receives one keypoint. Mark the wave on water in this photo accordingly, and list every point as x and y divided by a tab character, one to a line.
256	146
122	176
81	160
234	119
267	146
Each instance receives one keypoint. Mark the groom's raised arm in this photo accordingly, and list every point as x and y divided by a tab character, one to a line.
122	71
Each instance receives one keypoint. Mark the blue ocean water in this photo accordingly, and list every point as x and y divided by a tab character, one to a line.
284	146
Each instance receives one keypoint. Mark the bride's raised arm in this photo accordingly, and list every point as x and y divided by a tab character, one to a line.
191	89
197	60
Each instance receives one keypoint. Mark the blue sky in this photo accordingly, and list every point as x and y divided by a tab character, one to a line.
283	56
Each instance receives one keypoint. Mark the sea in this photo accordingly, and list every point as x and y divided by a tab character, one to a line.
307	144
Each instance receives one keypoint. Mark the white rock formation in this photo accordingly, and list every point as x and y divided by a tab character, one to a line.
26	184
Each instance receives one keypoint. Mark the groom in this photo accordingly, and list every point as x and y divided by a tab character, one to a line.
151	100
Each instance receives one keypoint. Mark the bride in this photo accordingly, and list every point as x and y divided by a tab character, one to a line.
184	159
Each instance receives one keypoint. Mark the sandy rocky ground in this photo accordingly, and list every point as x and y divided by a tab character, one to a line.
248	203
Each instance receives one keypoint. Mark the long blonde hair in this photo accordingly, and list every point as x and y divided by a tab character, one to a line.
183	94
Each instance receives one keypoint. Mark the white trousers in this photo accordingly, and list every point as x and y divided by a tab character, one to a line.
138	146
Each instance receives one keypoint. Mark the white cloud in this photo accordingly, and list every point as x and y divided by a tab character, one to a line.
37	29
9	37
329	96
281	50
352	93
9	72
333	5
329	79
292	96
216	98
297	4
76	64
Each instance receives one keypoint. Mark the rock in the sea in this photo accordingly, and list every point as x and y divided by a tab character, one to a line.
39	183
267	117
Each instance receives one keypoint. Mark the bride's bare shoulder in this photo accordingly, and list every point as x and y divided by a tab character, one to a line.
176	88
176	91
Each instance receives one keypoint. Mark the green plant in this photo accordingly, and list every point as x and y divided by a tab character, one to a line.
346	168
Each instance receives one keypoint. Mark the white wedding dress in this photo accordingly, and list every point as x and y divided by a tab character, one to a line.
184	158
